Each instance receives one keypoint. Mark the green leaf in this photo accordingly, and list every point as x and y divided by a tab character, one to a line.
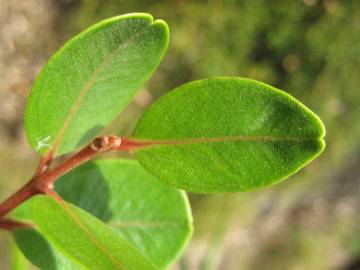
83	240
91	79
150	215
227	134
41	253
153	216
18	261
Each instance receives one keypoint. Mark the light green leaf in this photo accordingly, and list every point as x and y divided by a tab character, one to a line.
91	79
227	134
150	215
76	236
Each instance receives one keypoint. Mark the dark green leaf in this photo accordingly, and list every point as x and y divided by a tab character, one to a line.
227	134
91	79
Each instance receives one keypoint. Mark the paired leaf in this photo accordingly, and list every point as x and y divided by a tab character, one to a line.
227	134
153	218
91	79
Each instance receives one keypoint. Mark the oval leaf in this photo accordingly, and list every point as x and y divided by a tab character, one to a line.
226	134
153	216
150	215
91	79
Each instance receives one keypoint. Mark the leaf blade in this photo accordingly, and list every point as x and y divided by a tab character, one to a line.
156	218
227	134
82	239
37	249
93	77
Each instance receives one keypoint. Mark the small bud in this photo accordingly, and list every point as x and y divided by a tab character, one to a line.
104	143
99	143
114	141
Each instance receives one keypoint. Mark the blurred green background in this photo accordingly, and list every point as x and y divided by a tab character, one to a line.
310	48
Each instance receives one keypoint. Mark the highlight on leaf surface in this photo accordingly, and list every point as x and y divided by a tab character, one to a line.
227	134
149	217
91	79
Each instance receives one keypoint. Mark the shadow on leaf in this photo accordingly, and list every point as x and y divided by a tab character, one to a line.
86	188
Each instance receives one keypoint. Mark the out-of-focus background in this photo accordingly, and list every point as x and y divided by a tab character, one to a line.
310	48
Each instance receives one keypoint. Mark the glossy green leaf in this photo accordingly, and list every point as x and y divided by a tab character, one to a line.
227	134
91	79
150	215
83	240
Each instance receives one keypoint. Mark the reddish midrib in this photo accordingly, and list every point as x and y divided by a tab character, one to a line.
128	144
147	224
89	235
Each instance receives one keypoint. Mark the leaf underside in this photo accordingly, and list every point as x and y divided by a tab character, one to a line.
227	134
152	224
91	79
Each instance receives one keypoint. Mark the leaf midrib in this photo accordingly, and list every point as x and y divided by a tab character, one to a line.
143	143
144	224
87	86
89	235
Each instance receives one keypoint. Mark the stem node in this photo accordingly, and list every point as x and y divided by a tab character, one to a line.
44	178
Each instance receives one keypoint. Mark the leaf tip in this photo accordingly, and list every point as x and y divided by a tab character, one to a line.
163	26
322	146
322	129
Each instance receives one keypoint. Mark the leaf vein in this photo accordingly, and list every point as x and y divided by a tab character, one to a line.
141	143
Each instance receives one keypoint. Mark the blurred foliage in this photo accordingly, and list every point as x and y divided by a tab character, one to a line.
311	48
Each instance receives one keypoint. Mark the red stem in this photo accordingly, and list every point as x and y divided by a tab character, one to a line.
44	163
47	179
43	180
17	198
9	224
